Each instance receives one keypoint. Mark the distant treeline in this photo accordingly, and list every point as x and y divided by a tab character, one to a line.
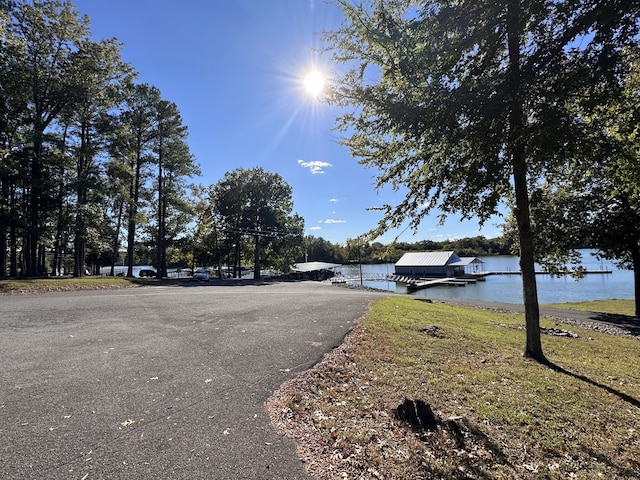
354	251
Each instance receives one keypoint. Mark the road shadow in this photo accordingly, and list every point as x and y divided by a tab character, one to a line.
225	282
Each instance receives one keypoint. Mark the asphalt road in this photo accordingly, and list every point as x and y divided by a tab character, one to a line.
159	382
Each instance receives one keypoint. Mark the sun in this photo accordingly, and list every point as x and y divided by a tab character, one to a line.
314	83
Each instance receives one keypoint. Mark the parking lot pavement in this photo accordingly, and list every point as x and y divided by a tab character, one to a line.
159	382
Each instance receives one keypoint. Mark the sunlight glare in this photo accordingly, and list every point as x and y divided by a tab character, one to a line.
314	83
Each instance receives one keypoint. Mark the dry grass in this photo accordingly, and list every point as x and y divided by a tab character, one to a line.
501	416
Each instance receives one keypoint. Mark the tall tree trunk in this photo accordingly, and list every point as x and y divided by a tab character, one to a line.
533	346
160	243
59	242
635	255
4	238
4	225
57	246
35	196
13	249
237	267
3	251
256	258
79	254
131	236
133	211
79	257
42	259
116	238
163	262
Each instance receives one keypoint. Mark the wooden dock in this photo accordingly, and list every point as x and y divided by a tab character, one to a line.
420	285
414	284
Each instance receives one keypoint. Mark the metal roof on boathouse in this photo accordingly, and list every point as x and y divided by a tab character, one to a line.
434	264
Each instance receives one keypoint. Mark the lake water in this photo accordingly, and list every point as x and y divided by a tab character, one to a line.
508	288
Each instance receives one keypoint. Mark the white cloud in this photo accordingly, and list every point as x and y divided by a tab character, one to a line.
315	228
314	167
334	200
335	221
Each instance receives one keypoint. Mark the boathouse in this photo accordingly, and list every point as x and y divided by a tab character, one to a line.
436	264
314	270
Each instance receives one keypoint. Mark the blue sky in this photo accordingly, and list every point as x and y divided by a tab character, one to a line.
235	70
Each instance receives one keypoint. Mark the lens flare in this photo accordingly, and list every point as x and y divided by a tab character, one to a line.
314	83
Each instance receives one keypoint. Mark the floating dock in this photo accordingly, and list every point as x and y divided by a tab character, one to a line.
414	284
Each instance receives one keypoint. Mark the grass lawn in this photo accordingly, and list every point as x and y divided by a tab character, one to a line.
621	307
499	415
34	285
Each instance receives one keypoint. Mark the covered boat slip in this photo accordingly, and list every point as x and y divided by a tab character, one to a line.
437	264
428	269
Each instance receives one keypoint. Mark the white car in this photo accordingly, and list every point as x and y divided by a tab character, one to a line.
201	274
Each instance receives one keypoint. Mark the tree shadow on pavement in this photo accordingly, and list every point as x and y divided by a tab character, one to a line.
224	282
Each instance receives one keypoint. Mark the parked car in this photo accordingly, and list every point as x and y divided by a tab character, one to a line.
122	270
201	274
